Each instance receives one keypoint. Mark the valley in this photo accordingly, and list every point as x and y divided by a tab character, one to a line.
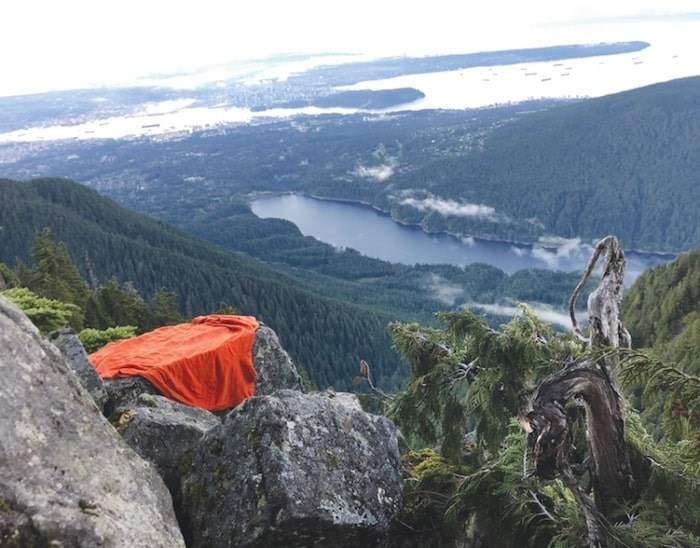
462	241
553	174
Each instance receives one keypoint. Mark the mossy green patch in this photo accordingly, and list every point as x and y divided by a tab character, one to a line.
148	400
426	462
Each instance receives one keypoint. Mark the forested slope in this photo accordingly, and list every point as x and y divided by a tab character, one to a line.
324	335
330	313
625	164
662	311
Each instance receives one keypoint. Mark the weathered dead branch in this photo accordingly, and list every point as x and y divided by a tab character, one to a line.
594	382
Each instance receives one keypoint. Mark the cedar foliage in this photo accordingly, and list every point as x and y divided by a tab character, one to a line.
481	379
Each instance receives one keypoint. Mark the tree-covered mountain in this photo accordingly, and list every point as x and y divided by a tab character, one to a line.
326	336
330	309
662	311
625	164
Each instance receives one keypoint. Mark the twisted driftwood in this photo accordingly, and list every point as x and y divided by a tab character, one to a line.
594	383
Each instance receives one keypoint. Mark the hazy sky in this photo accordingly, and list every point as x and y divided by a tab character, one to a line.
49	44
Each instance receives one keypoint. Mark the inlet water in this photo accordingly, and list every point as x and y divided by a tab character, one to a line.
373	234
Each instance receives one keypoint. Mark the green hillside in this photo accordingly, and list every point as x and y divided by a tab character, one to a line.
329	309
625	164
662	311
324	335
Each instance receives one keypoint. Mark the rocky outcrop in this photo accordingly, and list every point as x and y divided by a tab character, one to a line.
294	469
161	431
283	469
72	350
125	392
66	476
273	365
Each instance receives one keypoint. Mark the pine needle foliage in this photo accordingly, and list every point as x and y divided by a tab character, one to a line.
468	376
668	480
469	383
678	391
429	490
432	403
512	508
46	314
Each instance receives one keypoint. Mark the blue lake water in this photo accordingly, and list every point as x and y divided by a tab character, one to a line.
373	234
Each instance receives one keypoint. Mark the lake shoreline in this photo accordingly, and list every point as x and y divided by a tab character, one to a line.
523	244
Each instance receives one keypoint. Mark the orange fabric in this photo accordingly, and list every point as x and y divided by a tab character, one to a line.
207	363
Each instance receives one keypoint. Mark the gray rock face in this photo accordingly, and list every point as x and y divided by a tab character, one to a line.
273	365
125	392
66	476
161	431
72	350
295	470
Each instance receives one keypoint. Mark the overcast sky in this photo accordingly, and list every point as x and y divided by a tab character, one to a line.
50	44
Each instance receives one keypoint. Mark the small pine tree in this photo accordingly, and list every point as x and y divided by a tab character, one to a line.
94	339
7	277
54	276
163	310
46	314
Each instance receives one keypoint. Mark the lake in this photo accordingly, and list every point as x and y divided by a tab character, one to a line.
374	234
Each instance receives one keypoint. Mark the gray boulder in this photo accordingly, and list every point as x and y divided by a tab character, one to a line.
125	392
294	469
66	476
161	431
72	350
273	365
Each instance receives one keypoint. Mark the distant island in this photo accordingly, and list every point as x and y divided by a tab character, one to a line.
356	99
378	69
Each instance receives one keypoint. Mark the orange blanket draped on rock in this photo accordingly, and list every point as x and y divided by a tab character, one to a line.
207	363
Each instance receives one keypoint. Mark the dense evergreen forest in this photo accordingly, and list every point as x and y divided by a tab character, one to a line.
662	311
328	318
625	164
326	336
